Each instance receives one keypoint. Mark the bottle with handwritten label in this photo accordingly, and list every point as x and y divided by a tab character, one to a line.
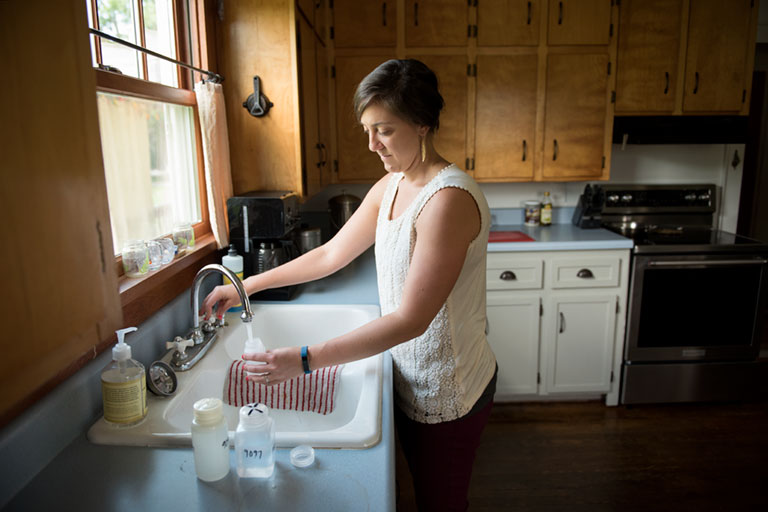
255	442
210	440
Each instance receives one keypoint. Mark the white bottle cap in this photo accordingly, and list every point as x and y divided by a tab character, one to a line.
207	411
122	351
254	415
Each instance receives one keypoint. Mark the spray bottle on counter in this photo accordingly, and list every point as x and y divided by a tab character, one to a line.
124	386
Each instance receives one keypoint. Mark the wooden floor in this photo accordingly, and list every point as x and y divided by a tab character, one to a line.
589	457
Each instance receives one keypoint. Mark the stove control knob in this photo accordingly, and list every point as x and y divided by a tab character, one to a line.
690	197
613	198
626	198
704	197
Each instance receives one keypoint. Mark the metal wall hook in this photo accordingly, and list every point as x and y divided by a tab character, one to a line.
257	103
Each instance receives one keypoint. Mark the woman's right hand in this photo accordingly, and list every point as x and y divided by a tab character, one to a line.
222	297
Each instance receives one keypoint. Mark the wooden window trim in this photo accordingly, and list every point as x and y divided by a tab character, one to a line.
143	296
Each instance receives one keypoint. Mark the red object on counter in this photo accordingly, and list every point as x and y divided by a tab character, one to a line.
509	236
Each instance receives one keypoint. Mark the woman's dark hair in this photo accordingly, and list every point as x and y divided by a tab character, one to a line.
408	88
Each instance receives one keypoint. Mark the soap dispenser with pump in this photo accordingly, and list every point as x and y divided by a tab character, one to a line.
124	386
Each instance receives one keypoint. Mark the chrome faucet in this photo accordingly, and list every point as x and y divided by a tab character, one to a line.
247	313
183	353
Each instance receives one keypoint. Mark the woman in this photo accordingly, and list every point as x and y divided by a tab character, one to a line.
430	223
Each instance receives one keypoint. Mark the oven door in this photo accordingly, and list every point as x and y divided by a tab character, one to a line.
696	307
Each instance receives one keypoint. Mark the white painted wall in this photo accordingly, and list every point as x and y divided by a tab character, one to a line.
693	163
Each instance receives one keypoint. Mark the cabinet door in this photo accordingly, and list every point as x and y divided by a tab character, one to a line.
320	19
364	24
513	333
436	23
505	119
310	161
579	343
356	163
647	63
577	107
323	114
716	64
60	286
451	136
508	22
579	22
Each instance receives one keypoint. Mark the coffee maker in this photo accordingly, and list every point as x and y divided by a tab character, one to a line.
262	226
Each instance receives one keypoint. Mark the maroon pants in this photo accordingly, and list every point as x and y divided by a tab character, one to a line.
440	457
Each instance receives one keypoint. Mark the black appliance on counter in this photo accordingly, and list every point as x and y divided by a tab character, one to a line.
695	294
262	226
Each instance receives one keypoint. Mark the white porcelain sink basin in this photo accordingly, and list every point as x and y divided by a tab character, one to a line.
354	423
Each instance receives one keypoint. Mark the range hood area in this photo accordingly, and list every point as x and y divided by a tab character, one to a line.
680	129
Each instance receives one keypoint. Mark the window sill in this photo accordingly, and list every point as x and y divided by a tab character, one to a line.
141	297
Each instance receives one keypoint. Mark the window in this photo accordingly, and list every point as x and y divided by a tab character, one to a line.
150	135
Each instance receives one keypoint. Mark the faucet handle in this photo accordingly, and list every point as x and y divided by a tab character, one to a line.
179	344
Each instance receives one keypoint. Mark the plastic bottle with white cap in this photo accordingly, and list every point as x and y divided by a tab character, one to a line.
210	440
255	442
124	386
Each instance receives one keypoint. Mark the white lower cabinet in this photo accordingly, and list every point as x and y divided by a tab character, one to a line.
513	332
579	342
559	336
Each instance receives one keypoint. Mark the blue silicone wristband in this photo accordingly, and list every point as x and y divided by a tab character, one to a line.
304	360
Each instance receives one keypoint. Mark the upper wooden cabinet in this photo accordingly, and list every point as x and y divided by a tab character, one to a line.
364	24
718	65
356	163
451	136
279	150
436	23
505	117
579	22
577	117
685	56
647	67
508	22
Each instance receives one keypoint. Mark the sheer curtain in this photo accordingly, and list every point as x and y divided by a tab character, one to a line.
218	176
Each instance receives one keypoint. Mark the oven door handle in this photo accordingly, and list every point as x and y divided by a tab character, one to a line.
705	263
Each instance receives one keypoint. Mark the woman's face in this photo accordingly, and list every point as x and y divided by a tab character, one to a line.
395	140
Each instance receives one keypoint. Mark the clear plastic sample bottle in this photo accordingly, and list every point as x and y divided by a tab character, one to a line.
255	442
210	440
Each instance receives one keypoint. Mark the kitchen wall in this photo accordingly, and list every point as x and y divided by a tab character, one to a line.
694	163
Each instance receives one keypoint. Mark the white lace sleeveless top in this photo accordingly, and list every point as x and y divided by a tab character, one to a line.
441	374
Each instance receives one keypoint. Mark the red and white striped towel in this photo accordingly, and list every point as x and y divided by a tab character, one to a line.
314	392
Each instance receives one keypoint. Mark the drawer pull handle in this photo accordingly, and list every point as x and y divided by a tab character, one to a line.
585	273
562	322
508	275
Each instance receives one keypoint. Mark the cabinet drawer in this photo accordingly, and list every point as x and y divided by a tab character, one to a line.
505	272
585	272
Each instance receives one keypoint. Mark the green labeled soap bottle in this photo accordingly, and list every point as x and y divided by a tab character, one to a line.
124	386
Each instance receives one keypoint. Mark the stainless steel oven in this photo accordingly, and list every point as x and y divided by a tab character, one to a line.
695	295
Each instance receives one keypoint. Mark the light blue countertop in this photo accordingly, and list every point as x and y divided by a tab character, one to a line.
85	476
560	237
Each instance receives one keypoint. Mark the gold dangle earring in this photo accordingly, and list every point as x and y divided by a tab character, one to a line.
423	149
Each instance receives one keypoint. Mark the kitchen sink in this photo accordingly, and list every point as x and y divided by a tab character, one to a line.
354	423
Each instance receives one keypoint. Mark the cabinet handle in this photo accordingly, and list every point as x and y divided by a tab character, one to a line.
384	14
322	152
508	275
554	153
696	82
529	13
416	14
585	273
560	15
562	322
666	85
525	150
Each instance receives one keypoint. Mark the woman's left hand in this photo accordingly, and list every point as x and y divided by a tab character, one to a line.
281	364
